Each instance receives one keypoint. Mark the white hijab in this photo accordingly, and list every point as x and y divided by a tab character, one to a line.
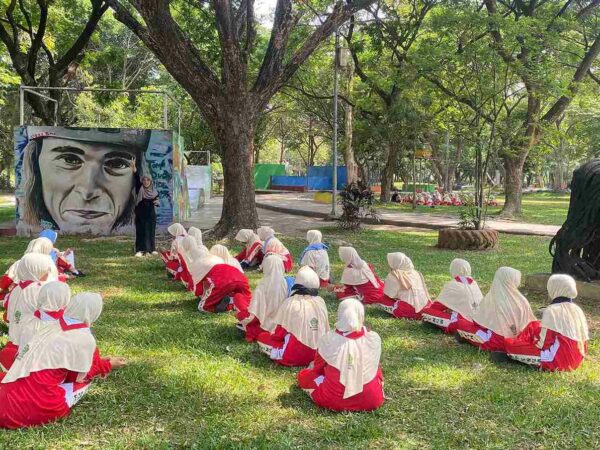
202	266
405	283
318	260
40	245
356	359
24	302
304	316
565	318
191	251
248	237
504	310
460	296
265	233
269	294
53	348
275	247
357	271
177	230
222	252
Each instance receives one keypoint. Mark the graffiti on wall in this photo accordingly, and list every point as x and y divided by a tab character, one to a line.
181	209
85	180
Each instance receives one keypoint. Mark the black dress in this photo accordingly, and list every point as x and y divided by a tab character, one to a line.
145	226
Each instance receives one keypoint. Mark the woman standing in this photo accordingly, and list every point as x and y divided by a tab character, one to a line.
145	217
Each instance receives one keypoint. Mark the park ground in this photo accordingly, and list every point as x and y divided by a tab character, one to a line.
193	382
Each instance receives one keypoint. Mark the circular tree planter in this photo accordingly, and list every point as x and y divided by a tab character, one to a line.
455	239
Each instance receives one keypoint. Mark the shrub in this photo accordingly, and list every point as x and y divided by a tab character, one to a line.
357	204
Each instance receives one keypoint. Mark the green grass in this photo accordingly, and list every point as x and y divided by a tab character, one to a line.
7	208
544	208
193	382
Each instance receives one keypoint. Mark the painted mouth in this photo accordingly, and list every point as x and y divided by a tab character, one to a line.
86	213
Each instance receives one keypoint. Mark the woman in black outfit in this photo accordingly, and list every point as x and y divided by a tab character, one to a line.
145	217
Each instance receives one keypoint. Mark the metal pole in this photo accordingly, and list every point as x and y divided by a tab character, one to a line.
21	106
447	186
414	177
336	66
165	112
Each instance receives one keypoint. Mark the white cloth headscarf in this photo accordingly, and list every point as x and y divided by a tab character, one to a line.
196	233
202	266
565	318
53	348
269	294
304	316
405	283
248	237
356	359
276	247
40	245
460	296
357	271
504	310
191	251
265	233
24	301
178	232
222	252
318	260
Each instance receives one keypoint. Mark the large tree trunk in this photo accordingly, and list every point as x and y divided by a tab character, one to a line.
513	185
237	147
387	176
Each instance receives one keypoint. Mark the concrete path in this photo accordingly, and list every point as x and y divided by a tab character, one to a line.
301	204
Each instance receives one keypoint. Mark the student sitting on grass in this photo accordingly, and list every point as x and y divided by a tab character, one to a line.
405	293
273	246
301	321
188	251
559	341
457	300
22	303
171	256
345	374
55	369
65	261
222	252
315	256
267	298
358	279
503	313
251	255
220	287
196	233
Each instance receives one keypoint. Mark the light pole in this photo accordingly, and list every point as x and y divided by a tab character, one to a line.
336	66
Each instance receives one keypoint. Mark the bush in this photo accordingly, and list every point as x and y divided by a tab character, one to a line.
357	204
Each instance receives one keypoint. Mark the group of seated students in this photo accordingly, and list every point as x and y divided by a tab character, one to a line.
51	357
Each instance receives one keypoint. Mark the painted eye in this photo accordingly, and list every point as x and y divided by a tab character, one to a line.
117	164
71	160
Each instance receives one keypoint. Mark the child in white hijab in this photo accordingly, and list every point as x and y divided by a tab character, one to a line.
251	255
171	256
358	279
458	299
345	374
503	313
405	292
315	256
273	246
559	341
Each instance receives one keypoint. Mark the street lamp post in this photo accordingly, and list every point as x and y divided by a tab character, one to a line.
336	67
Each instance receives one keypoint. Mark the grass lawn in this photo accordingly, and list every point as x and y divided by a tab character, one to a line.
7	208
193	382
541	207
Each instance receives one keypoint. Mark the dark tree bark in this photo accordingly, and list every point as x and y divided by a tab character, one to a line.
25	54
229	101
387	176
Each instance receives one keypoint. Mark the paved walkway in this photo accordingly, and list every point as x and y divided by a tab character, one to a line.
301	204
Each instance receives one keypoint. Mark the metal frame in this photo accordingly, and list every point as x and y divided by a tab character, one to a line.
33	90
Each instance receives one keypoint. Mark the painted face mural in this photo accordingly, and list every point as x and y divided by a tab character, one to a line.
86	179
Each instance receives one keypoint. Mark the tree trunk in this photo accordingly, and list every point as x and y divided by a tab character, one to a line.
351	167
387	176
513	185
239	208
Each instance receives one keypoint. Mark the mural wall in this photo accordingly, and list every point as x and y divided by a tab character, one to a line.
85	180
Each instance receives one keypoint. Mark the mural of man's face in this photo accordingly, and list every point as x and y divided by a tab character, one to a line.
85	184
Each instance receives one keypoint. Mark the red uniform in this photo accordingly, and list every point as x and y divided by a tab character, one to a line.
486	339
222	281
442	317
366	292
7	356
45	396
329	391
285	349
185	276
251	257
558	352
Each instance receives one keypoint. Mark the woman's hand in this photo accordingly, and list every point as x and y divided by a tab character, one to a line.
117	362
132	165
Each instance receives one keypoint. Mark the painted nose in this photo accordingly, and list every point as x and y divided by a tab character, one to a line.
88	187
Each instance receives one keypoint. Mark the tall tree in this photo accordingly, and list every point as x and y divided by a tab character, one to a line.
44	53
221	77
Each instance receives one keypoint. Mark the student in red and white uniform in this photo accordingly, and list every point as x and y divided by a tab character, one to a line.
251	255
358	279
223	252
196	233
503	313
315	256
405	293
301	321
345	374
273	246
458	299
268	296
188	251
171	257
559	342
52	374
64	260
22	303
220	287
